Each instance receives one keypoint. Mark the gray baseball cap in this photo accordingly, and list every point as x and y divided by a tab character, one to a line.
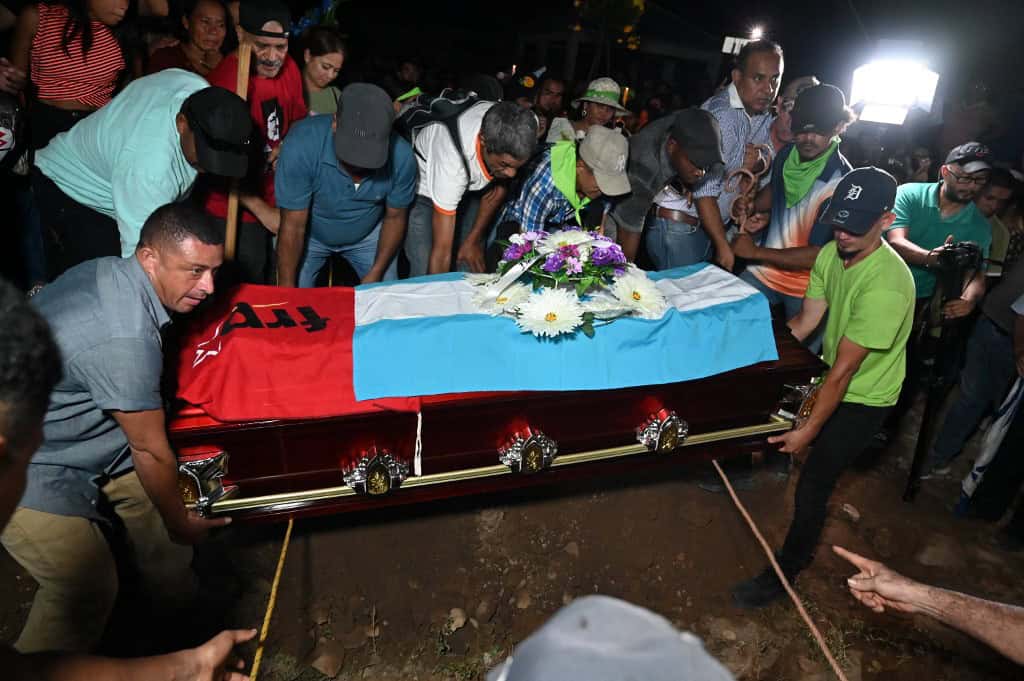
363	135
697	131
606	152
598	638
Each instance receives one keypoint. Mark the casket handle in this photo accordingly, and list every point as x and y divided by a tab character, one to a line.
662	432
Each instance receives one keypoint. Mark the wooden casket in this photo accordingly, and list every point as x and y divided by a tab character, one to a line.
482	443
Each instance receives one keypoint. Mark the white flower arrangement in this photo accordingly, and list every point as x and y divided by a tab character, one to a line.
638	293
576	277
550	312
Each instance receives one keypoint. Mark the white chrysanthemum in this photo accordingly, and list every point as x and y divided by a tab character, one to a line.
566	237
517	239
550	312
500	302
639	293
484	279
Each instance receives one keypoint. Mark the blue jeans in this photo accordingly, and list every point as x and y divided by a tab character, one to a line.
791	306
419	238
360	255
988	370
674	244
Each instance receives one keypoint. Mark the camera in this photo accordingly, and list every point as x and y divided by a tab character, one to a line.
961	257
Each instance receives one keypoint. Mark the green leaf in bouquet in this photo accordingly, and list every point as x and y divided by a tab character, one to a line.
588	329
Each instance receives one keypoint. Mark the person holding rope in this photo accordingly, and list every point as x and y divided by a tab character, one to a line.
803	178
868	293
105	461
30	367
744	114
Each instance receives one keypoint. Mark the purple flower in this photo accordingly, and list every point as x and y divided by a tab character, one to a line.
569	251
532	236
515	252
619	271
553	263
608	254
599	237
573	265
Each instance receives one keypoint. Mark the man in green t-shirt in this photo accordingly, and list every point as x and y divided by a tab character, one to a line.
868	292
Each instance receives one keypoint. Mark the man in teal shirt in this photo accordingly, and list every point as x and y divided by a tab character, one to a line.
928	215
868	293
97	183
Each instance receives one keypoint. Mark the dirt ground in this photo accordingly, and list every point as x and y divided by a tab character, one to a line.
445	591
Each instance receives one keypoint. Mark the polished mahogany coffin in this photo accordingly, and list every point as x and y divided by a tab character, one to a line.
480	443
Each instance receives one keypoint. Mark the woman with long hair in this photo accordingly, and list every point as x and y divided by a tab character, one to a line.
73	59
323	59
205	24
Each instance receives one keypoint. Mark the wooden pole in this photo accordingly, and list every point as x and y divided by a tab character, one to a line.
242	89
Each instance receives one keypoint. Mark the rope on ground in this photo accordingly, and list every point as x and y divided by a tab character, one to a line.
778	571
258	657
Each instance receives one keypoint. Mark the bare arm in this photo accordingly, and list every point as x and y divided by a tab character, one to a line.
392	233
441	247
996	624
807	320
630	242
908	250
268	216
799	258
848	360
157	468
471	251
711	220
290	238
205	663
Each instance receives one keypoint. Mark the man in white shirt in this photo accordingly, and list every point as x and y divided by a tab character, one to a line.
494	141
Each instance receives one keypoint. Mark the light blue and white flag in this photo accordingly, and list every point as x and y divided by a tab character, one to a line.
425	336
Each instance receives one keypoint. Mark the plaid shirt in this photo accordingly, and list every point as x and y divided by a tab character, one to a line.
539	202
738	129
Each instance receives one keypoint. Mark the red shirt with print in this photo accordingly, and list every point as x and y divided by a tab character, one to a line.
275	104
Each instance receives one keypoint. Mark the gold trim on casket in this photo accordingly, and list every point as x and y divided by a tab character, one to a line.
276	503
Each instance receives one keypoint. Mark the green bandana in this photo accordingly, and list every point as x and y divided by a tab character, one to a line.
563	173
798	176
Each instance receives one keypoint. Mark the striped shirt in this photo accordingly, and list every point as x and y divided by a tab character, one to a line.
738	130
87	78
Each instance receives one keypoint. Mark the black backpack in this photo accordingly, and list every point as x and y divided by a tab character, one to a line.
445	108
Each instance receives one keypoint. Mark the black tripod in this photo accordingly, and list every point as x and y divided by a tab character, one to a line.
940	348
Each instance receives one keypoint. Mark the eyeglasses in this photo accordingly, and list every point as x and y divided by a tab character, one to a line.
968	179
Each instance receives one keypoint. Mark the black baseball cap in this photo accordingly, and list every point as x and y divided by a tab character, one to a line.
697	132
219	120
253	14
818	109
860	198
972	157
363	135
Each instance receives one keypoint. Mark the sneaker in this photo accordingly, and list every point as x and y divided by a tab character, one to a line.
759	591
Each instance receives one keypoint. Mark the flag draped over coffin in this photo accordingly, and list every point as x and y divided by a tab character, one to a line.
425	336
265	352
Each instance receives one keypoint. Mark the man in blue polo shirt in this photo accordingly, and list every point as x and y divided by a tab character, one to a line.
342	175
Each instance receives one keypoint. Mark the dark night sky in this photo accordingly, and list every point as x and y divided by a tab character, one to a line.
962	39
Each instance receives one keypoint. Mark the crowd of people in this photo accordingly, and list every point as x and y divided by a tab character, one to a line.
131	168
